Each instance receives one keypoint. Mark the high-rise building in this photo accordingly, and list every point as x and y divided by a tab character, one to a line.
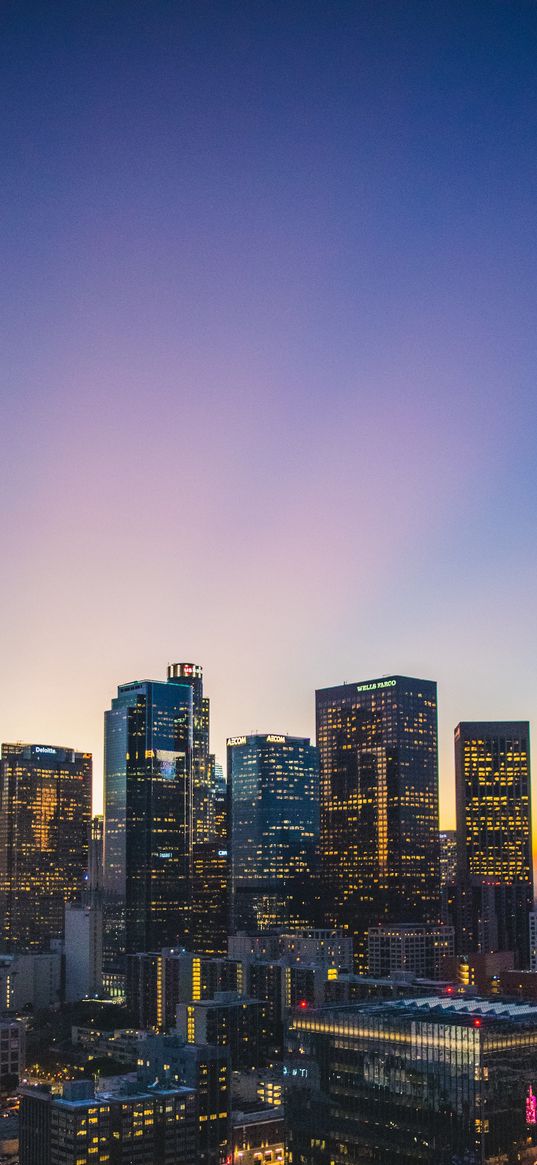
149	740
45	806
494	848
228	1020
274	830
448	857
209	872
12	1051
432	1080
379	804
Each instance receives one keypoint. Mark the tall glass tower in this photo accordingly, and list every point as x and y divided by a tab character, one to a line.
45	807
379	804
274	830
149	738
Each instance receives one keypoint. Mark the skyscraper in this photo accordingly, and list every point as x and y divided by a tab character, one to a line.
379	804
494	849
149	732
274	830
209	897
45	806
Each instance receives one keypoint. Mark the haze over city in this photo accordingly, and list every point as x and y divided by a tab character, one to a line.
268	358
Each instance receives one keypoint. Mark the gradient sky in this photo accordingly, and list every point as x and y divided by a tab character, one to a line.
268	315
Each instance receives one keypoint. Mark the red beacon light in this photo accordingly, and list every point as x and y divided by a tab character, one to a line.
477	1022
303	1003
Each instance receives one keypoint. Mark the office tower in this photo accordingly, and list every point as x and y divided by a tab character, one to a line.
379	804
45	805
229	1020
79	1125
494	848
448	857
158	981
274	830
147	818
409	948
206	1069
209	891
431	1080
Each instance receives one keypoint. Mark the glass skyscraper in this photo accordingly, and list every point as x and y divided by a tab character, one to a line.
435	1080
379	804
494	846
274	830
148	802
45	808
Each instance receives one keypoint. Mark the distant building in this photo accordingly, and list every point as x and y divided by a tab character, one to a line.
379	804
236	1022
30	982
434	1080
532	919
258	1136
330	948
147	818
12	1052
494	847
159	980
481	970
409	948
448	857
45	805
83	951
81	1126
274	830
207	1070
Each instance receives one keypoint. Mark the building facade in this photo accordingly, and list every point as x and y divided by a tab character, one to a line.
157	981
45	807
412	949
431	1080
274	830
448	857
494	846
379	804
78	1125
12	1053
147	819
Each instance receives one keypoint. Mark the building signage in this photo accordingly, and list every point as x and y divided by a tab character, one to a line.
233	740
375	685
275	739
44	748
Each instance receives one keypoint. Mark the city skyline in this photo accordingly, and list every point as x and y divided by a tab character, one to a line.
268	358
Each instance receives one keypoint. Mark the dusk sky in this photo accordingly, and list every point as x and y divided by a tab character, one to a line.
268	315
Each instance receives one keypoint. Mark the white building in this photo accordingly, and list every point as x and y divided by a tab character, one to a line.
83	946
31	980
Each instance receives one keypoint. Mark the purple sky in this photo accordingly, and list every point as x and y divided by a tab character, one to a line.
268	357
